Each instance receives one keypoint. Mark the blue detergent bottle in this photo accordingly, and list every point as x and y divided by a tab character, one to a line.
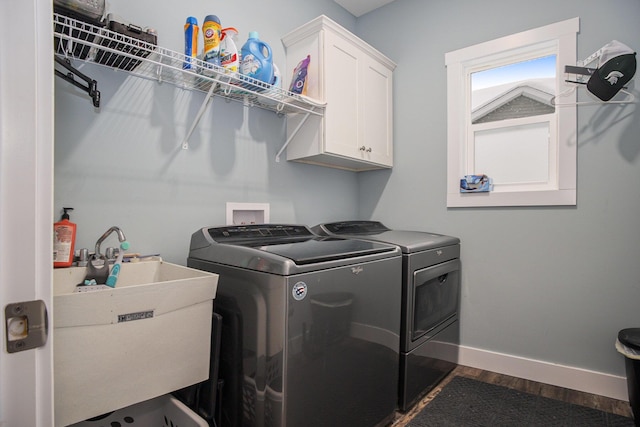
257	59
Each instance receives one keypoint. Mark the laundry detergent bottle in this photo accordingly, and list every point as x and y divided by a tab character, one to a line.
211	33
257	59
190	42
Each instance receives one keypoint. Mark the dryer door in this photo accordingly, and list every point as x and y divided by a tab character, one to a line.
433	300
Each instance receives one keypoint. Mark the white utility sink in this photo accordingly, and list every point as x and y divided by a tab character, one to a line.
148	336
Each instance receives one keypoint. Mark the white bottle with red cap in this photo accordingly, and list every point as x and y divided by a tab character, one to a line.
229	57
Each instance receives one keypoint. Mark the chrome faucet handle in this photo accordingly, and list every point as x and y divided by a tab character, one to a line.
110	253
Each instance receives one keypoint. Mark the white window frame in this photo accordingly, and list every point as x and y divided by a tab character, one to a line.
560	189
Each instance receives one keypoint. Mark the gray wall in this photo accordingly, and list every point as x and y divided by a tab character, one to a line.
123	165
551	284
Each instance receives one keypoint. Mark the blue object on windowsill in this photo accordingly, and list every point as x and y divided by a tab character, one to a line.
476	184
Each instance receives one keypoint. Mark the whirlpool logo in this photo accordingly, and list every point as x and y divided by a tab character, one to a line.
357	270
299	291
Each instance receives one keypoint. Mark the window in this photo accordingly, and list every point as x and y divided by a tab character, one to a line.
503	122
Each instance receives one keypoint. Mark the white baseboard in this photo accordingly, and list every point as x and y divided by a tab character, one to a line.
549	373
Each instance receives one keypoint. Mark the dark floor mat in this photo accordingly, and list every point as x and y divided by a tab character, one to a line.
465	402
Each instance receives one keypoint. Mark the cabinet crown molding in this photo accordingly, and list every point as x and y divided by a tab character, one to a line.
323	22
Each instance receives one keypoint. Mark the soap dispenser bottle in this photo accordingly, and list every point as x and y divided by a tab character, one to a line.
64	240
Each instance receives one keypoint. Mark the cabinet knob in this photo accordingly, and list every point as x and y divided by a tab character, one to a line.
369	150
363	148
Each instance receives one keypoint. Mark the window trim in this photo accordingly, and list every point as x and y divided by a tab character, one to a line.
564	35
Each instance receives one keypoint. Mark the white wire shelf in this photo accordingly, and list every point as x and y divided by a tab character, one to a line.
78	40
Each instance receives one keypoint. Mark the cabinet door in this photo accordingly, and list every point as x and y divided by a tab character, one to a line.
342	115
376	112
355	81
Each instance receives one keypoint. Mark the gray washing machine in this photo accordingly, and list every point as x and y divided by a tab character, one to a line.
310	325
429	334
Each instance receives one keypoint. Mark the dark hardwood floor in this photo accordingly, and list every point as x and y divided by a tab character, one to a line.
605	404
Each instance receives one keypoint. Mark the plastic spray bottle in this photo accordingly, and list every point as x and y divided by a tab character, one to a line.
64	240
229	57
211	32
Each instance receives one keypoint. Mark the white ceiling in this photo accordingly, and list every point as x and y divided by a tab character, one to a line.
360	7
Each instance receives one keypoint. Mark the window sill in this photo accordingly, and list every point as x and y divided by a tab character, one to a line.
528	198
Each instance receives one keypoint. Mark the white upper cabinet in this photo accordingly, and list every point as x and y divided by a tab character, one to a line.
356	83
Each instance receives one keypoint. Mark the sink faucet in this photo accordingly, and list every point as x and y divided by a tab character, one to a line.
106	234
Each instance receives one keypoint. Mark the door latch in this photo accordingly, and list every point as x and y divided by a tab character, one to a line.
26	325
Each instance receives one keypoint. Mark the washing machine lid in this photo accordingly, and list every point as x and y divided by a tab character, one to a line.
279	248
408	241
317	249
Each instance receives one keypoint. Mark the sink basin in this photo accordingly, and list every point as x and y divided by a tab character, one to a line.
163	285
148	336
